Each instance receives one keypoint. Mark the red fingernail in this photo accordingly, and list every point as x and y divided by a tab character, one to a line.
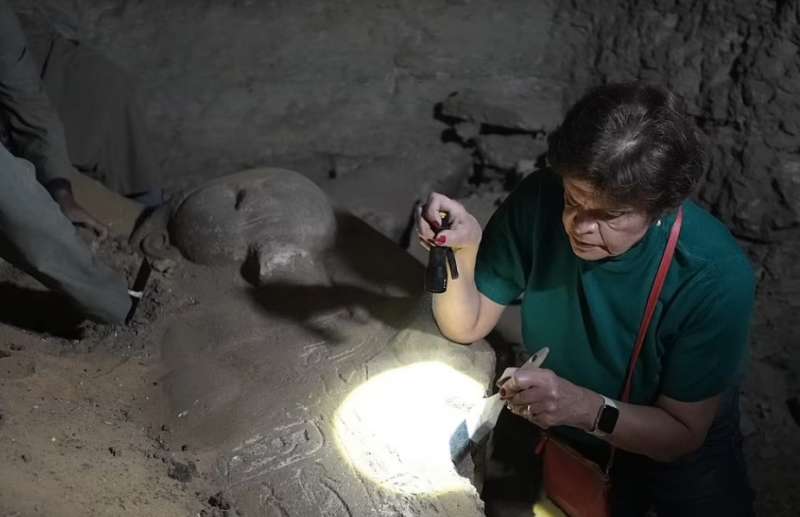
441	239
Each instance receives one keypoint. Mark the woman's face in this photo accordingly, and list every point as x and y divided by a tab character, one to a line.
597	229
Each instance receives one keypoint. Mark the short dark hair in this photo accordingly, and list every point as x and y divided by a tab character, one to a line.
634	143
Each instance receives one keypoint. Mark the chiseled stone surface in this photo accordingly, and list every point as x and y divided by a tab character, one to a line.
335	397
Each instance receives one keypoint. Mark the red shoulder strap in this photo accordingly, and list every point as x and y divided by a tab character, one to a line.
655	292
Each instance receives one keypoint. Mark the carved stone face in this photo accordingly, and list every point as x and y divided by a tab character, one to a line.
273	221
335	400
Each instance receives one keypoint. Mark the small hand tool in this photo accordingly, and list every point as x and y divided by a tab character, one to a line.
137	291
482	418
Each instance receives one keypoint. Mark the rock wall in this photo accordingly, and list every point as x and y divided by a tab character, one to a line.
736	64
342	91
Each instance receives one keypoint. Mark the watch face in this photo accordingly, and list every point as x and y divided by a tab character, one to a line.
608	419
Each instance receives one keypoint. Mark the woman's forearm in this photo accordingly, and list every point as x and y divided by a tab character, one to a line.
457	309
647	430
664	431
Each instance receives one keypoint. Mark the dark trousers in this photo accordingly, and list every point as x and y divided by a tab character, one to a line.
710	481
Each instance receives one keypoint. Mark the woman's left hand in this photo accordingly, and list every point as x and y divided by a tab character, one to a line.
547	400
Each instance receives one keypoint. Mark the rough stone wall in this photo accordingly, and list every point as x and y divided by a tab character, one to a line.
736	64
342	91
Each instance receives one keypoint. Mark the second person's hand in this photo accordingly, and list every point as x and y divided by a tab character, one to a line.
78	216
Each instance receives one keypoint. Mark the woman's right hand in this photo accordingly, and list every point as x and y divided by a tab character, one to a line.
464	231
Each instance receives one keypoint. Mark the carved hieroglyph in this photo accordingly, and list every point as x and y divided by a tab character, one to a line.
333	397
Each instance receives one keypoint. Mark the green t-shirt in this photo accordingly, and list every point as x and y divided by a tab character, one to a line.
589	313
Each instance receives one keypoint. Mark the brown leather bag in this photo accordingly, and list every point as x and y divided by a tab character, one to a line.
576	484
573	482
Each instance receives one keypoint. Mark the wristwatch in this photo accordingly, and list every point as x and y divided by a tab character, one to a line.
606	419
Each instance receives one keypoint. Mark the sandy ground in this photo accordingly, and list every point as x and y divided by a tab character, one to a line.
96	420
79	418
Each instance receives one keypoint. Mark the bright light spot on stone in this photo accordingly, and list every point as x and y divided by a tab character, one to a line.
396	428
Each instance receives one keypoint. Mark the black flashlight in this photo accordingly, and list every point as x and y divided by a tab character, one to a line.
439	258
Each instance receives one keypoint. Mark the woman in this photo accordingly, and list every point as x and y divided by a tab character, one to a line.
579	246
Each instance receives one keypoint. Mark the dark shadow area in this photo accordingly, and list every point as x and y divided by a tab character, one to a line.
513	471
373	258
493	129
362	266
410	232
44	312
507	354
251	269
303	304
438	113
449	136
